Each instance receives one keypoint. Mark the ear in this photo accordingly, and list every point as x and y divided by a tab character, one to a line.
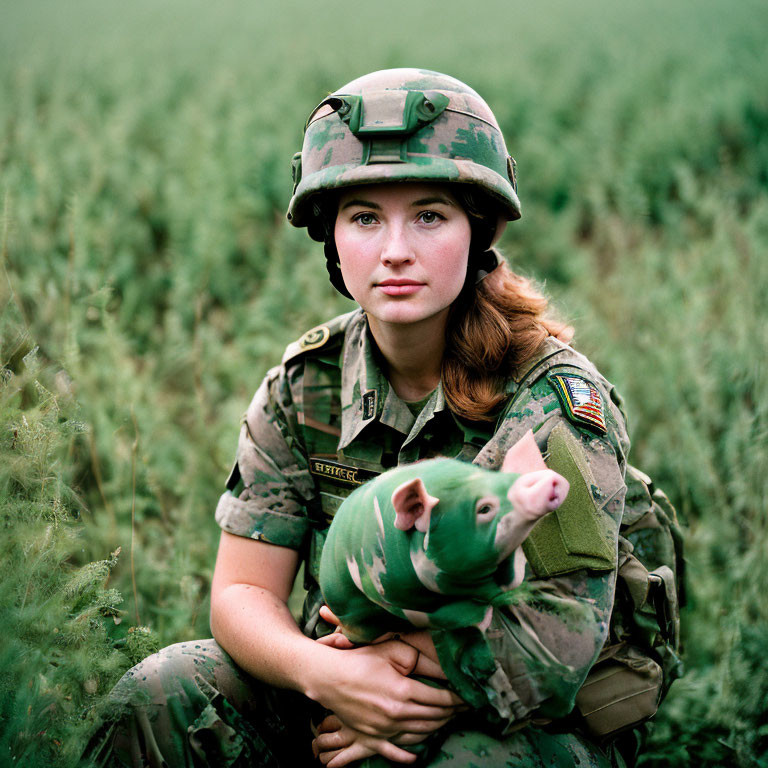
413	506
523	456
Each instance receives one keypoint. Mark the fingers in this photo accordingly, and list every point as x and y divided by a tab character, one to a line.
345	756
428	668
391	752
330	723
421	728
406	739
336	640
386	636
328	615
329	742
401	656
429	696
359	751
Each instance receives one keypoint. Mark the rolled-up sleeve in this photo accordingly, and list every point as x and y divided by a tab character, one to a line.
270	504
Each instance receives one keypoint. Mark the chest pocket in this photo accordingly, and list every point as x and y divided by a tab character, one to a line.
331	496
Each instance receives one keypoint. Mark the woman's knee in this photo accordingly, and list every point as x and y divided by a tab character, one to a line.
168	673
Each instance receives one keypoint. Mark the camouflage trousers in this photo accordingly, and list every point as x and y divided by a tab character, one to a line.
190	705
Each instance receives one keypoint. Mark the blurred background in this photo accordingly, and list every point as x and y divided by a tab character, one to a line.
148	279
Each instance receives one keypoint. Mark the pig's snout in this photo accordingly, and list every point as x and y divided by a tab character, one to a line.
536	493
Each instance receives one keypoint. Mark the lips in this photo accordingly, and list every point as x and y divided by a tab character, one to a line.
394	286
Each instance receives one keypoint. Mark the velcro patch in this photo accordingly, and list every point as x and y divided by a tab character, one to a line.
576	535
580	401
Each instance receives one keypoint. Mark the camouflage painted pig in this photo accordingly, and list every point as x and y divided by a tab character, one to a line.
421	545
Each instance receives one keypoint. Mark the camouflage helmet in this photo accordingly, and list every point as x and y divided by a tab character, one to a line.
401	125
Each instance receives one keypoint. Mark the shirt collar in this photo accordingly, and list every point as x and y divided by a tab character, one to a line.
366	395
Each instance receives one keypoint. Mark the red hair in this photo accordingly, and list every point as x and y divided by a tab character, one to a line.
494	328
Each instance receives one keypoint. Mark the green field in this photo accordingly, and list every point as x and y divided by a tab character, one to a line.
148	280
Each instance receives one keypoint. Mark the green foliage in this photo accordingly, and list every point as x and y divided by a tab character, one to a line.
149	279
55	654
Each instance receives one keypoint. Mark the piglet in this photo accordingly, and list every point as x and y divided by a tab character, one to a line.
422	545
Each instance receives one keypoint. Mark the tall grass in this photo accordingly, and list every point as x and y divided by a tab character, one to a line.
149	280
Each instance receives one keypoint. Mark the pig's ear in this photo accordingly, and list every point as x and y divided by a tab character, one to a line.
523	456
413	506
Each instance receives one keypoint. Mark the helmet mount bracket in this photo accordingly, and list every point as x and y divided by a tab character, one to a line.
385	120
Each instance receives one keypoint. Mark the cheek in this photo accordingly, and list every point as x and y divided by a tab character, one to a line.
454	257
351	255
452	272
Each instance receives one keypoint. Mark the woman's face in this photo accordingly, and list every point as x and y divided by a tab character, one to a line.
403	249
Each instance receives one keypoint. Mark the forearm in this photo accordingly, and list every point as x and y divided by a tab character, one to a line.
256	628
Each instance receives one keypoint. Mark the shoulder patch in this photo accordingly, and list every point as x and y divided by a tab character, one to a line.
329	333
580	400
314	338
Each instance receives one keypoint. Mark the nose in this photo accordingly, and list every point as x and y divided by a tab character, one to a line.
396	249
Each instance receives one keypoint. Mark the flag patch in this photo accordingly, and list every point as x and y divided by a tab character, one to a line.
580	401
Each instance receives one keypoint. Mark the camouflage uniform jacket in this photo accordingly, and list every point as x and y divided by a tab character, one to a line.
327	420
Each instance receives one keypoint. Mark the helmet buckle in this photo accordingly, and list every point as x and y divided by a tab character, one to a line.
296	169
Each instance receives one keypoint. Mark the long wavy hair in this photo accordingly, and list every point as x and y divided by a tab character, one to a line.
493	329
496	324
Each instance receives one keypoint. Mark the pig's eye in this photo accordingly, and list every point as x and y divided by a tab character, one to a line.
486	508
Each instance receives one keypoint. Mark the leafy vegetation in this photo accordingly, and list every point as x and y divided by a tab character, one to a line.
149	279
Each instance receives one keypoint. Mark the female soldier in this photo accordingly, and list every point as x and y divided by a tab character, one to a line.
404	175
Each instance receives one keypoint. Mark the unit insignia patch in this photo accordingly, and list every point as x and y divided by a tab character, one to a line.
580	400
315	338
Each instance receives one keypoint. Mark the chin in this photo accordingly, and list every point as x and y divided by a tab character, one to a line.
402	315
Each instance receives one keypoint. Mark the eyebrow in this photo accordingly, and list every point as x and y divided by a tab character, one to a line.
431	201
361	203
414	204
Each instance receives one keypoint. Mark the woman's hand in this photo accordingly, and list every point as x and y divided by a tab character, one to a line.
408	710
336	744
369	689
427	665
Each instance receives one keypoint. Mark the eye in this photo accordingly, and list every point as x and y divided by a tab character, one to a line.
486	508
365	219
430	217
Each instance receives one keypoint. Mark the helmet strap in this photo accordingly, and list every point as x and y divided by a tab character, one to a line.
332	265
482	264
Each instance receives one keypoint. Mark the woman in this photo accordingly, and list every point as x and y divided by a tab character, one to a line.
405	177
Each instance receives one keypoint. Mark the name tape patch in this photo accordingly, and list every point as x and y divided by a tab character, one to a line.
340	473
580	401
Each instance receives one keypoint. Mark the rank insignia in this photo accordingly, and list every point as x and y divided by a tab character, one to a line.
580	401
369	404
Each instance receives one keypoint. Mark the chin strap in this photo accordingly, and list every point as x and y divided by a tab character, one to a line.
332	265
485	263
